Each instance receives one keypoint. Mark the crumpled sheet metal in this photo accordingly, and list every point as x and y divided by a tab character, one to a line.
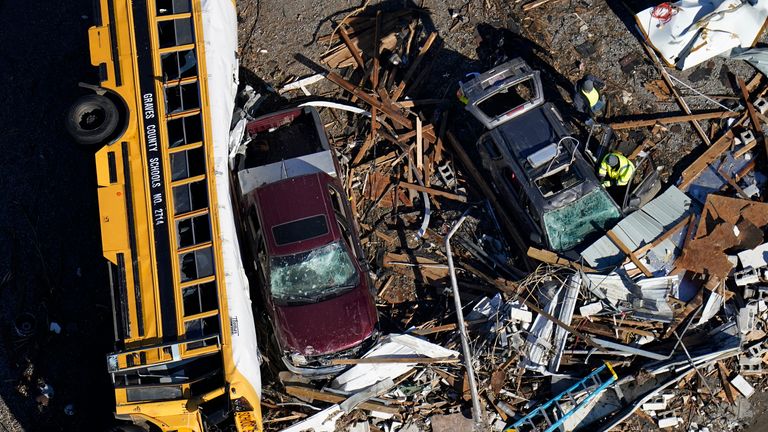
725	224
644	299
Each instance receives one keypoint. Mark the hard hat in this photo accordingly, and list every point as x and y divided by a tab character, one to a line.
613	160
588	85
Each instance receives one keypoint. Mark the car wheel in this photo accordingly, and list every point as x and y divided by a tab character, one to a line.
92	119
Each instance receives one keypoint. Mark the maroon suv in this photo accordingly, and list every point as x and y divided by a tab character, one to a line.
305	244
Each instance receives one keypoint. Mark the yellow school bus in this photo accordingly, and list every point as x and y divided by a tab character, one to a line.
186	355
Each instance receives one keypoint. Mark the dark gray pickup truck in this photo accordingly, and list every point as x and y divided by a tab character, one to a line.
536	165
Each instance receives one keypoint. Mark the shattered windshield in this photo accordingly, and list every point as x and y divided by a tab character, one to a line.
569	225
312	276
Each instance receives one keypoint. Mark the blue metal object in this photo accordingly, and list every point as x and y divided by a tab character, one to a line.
541	410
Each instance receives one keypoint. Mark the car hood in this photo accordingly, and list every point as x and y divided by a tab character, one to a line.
329	326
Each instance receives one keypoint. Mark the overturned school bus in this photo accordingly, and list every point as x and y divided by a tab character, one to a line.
186	355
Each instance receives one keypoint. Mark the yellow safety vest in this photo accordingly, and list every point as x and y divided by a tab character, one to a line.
592	96
621	175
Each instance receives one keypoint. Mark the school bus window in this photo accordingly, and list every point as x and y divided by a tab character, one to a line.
179	64
184	130
175	32
200	298
190	197
194	230
189	163
182	98
199	328
168	7
196	264
153	393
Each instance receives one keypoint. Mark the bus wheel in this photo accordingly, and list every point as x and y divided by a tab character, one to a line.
92	119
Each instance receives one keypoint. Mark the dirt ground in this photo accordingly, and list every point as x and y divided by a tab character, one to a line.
50	258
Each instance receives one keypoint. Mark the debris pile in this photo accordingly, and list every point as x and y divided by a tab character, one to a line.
659	322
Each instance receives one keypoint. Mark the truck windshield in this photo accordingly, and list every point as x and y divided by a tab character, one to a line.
569	225
312	276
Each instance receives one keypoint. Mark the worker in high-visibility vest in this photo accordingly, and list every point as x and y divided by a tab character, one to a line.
615	170
587	97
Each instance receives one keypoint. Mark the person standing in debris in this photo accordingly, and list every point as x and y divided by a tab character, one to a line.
587	98
615	170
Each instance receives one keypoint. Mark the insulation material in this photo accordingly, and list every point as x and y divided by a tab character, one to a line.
706	252
365	375
691	32
220	28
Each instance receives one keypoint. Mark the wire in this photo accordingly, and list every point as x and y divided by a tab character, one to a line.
664	12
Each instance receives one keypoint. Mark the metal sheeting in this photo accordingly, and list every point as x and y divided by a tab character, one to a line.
640	228
644	299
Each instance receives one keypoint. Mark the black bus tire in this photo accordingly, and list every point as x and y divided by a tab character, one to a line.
92	119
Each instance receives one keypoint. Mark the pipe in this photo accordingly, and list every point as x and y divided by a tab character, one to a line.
477	412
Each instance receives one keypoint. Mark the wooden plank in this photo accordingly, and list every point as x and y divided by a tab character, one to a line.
675	93
710	155
404	137
433	191
369	99
414	66
615	239
673	119
376	46
756	128
385	360
312	394
667	234
550	257
356	53
506	222
534	4
419	146
414	102
367	144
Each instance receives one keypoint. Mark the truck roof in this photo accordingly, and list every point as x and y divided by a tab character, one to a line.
297	214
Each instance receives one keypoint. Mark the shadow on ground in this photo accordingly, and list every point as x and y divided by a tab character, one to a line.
50	259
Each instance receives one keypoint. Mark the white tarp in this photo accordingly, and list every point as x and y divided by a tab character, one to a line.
697	30
220	29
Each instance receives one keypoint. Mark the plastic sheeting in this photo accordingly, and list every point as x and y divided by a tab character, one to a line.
220	29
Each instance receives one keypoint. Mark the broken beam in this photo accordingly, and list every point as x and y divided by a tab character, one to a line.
550	257
673	119
312	394
615	239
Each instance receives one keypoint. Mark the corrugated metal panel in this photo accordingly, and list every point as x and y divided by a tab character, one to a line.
640	228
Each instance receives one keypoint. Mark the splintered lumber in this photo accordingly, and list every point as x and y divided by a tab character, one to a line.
367	98
432	191
673	119
352	48
550	257
710	155
414	66
753	115
312	394
478	178
616	240
392	359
